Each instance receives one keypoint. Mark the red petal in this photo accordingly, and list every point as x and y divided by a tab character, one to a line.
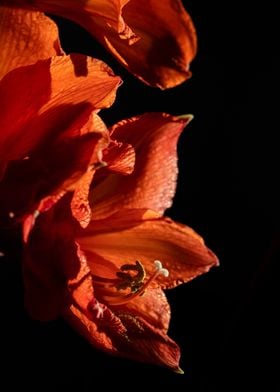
50	261
25	38
40	101
55	269
123	238
152	184
48	174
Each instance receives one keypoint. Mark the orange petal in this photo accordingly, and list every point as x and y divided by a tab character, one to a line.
41	101
153	307
96	15
89	329
146	343
152	184
120	157
155	40
80	204
122	239
167	42
25	38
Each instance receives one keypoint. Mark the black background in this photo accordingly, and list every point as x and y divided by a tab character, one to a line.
225	321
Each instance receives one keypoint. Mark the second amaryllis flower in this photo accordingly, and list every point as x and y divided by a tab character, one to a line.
107	279
153	39
50	130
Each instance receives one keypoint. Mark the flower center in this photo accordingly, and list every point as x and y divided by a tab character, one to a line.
131	279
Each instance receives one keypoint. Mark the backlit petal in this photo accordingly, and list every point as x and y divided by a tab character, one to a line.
120	158
155	40
41	101
123	239
25	38
166	46
152	184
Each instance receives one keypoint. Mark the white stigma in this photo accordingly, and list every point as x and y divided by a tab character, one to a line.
159	269
36	213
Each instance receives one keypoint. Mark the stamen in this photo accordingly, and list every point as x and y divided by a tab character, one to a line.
130	276
118	300
161	270
36	213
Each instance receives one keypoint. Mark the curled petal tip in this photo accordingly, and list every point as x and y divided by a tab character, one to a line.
215	259
188	117
179	371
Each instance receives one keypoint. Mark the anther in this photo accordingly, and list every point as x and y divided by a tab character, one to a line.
119	300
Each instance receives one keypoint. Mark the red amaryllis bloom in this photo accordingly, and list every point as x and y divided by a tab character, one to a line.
155	40
107	279
50	136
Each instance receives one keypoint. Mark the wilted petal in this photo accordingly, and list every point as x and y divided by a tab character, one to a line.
41	101
123	239
152	184
155	40
25	38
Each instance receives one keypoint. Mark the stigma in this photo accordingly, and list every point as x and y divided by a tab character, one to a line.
130	283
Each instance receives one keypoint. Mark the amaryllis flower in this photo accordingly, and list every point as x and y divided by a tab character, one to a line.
50	133
153	39
107	280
